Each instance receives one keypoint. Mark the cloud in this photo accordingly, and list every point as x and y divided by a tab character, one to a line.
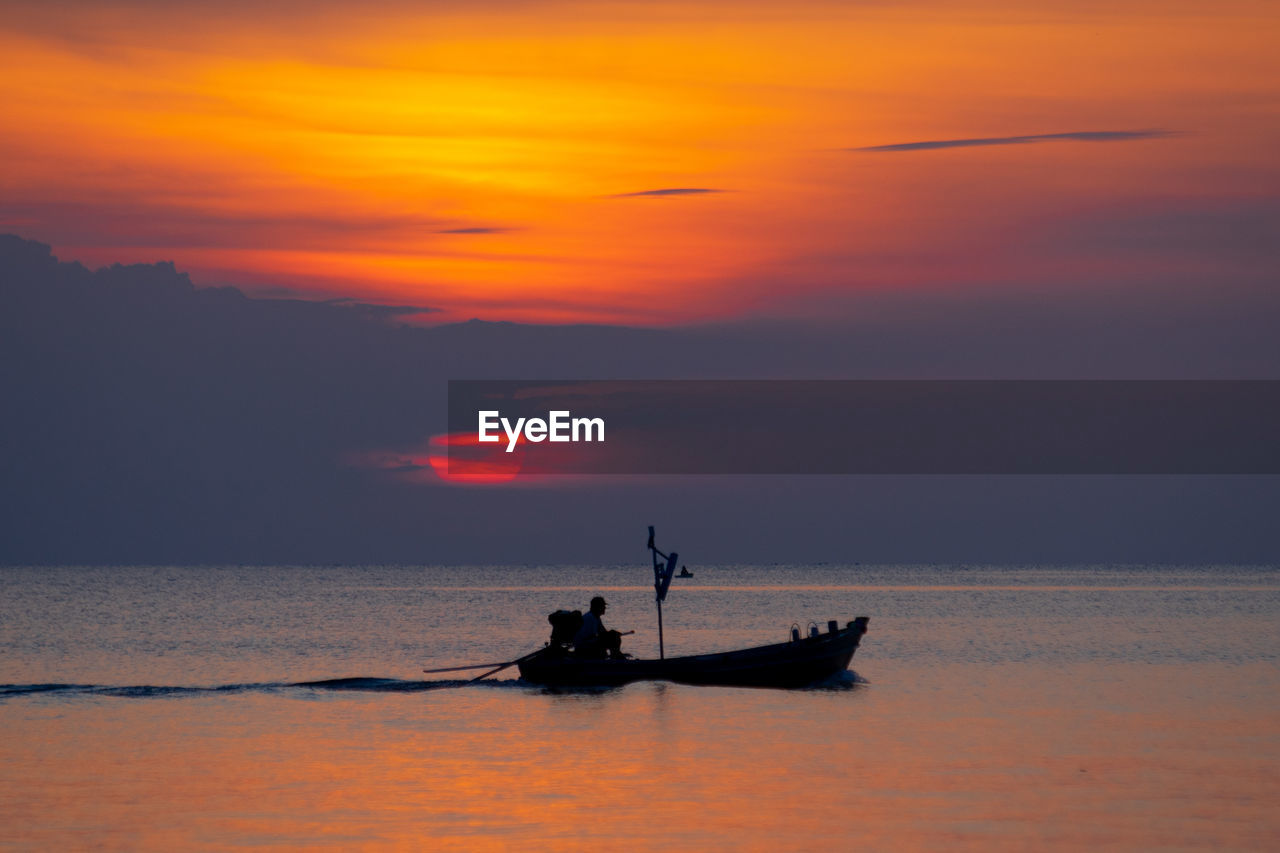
372	309
136	221
475	230
668	191
1075	136
147	420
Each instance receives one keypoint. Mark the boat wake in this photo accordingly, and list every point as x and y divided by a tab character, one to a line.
147	691
841	681
846	680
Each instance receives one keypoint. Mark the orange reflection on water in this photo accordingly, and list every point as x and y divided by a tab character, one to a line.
1008	757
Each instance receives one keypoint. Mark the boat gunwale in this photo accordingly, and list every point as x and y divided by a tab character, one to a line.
831	650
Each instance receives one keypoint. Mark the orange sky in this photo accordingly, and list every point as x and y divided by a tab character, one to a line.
485	160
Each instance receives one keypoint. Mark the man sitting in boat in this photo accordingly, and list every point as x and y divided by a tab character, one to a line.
593	640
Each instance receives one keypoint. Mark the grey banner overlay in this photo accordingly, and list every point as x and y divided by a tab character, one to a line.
882	427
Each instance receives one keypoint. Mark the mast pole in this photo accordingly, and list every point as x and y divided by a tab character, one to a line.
661	651
661	581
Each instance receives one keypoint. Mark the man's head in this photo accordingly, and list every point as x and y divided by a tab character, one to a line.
598	605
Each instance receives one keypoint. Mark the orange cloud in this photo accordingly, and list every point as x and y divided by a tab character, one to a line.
474	160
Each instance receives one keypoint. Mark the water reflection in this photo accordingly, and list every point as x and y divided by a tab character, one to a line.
1137	712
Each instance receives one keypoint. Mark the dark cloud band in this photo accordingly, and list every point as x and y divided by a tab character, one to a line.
669	191
1076	136
476	230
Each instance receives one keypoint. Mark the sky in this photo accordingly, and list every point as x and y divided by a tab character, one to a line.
244	246
149	421
651	164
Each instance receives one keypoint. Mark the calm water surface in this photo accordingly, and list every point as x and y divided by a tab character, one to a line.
995	708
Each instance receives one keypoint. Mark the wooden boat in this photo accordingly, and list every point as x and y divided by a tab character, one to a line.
798	663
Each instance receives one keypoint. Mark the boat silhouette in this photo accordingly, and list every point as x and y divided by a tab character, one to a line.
800	662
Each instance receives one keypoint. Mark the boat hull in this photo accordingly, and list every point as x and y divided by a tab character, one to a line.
795	664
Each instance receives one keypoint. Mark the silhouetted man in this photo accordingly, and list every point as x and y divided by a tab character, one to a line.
593	640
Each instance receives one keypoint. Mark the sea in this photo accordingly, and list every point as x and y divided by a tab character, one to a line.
988	708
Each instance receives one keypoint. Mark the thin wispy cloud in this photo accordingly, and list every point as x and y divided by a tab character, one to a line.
668	191
476	230
1076	136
